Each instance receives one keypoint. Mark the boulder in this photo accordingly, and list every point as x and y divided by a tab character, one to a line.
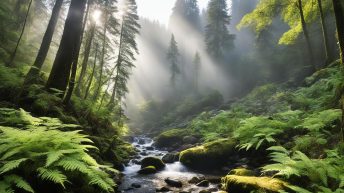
203	183
152	161
213	179
190	140
246	184
241	172
170	157
209	155
173	183
162	189
136	185
171	138
147	170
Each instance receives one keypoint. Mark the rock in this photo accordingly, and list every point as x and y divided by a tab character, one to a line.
213	179
152	161
162	189
241	172
135	161
204	191
170	158
173	183
136	185
195	180
141	141
190	140
171	138
203	183
184	147
147	170
209	155
234	183
150	148
144	153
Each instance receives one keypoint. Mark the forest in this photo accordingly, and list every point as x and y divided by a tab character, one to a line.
107	96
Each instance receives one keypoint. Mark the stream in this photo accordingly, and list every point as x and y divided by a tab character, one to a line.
138	183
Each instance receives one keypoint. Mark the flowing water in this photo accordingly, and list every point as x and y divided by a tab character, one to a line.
149	183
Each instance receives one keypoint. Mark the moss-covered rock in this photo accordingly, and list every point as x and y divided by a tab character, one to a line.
246	184
147	170
210	155
152	161
241	172
171	138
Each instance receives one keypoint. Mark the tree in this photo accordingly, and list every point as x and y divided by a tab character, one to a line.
172	57
185	15
197	69
127	50
217	36
13	55
69	45
92	74
87	51
33	73
324	30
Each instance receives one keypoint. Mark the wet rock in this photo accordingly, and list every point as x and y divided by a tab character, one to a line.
195	180
173	183
150	148
170	157
204	191
213	179
203	183
190	140
144	153
185	192
185	146
135	161
162	189
147	170
136	185
141	141
152	161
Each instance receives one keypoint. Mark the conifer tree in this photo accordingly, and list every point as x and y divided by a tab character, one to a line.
127	50
197	67
217	36
172	57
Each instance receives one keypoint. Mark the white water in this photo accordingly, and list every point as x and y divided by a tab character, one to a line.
149	183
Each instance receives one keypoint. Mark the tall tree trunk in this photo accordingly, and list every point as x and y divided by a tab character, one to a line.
76	60
306	34
103	97
119	61
86	57
92	74
325	34
33	73
13	55
68	49
96	94
338	8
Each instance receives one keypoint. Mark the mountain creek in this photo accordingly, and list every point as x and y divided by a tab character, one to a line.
174	177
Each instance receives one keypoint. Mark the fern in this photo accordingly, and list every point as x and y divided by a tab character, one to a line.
56	155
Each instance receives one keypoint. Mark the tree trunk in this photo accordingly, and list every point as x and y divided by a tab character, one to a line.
33	73
13	55
112	99
338	8
96	94
76	60
328	55
306	34
92	74
86	57
103	97
68	49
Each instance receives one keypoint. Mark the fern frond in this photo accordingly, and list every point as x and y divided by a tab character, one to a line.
10	165
55	176
18	182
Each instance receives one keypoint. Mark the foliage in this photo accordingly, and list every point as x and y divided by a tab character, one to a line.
35	148
321	173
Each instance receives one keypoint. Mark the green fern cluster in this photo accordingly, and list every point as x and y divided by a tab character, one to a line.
324	175
38	150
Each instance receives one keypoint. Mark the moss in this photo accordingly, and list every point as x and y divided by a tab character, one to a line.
241	172
152	161
147	170
209	155
243	184
171	137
